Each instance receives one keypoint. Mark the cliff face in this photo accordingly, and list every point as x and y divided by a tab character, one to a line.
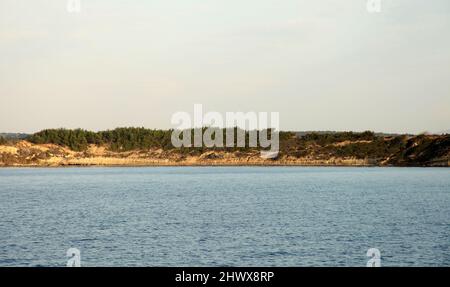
400	151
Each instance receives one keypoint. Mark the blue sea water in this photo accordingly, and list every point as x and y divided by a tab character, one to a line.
225	216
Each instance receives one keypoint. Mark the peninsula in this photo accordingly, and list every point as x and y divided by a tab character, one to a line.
146	147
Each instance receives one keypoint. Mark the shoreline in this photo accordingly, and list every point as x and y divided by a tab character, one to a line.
214	165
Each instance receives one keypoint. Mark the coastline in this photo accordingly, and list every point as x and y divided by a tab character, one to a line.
266	163
198	165
118	162
26	154
212	165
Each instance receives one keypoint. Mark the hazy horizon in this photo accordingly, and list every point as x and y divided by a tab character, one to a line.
295	131
324	65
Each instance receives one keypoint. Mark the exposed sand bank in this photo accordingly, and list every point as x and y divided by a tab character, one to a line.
25	154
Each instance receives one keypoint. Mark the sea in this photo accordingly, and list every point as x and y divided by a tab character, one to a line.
225	216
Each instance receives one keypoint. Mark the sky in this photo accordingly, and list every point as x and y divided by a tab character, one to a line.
322	64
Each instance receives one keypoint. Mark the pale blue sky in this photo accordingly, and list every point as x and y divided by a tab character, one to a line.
323	64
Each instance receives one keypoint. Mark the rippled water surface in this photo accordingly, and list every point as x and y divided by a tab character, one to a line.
225	216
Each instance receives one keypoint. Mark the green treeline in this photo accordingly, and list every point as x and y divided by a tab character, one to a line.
334	144
121	139
329	138
2	140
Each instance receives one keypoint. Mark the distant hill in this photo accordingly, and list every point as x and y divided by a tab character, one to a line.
14	136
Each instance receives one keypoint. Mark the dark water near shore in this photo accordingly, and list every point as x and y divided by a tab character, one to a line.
225	216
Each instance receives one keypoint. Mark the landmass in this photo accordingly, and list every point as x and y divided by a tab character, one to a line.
144	147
